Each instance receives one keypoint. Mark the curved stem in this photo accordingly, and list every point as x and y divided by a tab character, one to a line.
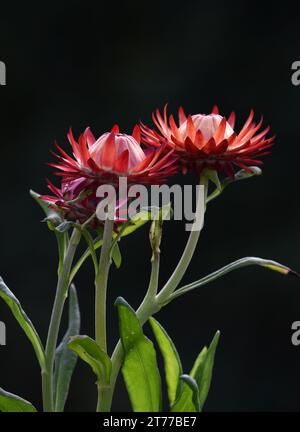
153	283
189	250
60	297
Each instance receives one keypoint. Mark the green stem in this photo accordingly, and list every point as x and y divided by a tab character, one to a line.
100	301
188	252
101	285
60	297
103	404
153	283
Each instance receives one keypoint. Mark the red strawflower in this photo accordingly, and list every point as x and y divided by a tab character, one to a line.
113	155
77	201
209	141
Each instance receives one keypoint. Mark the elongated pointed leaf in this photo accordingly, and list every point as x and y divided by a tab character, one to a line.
65	359
201	373
64	226
140	369
44	206
240	175
90	352
116	255
53	218
13	403
90	241
23	320
199	361
134	224
188	399
183	390
97	243
193	386
243	262
54	221
203	369
142	217
172	363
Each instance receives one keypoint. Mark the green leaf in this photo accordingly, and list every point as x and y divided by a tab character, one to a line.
23	320
140	369
62	243
116	255
53	217
91	248
203	369
44	206
64	226
193	397
188	399
90	352
97	243
240	175
172	363
199	361
134	223
243	262
12	403
65	359
183	390
54	221
193	386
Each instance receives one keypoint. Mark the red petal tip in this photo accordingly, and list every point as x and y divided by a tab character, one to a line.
115	129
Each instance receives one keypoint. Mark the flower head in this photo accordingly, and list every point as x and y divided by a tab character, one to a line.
113	155
77	201
209	141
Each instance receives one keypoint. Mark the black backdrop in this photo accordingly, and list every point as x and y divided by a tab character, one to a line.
99	63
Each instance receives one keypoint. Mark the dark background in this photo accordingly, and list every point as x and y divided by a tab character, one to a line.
99	63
